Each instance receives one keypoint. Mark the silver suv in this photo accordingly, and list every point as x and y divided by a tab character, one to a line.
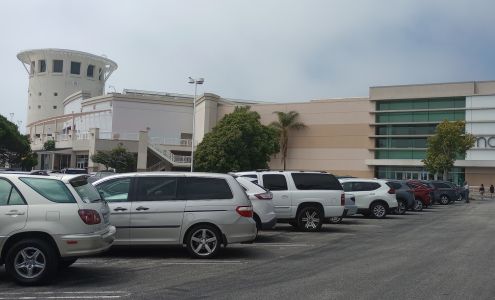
46	223
199	210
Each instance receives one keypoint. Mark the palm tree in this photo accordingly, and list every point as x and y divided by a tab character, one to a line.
285	123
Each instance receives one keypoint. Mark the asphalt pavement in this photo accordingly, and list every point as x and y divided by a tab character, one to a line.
445	252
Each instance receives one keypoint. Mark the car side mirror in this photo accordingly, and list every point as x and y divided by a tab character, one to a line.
102	195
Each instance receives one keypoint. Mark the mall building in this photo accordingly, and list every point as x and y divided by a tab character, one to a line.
381	135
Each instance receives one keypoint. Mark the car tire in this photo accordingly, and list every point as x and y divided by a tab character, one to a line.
418	206
64	263
378	210
444	199
32	262
310	219
203	241
293	224
401	207
336	220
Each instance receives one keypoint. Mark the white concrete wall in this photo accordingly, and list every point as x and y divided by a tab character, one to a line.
480	121
162	119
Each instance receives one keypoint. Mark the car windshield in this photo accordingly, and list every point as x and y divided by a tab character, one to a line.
85	190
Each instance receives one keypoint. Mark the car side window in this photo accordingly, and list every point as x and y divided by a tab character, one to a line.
204	188
9	194
347	186
275	182
116	190
358	186
157	188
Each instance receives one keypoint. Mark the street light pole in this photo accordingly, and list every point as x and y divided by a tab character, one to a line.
195	82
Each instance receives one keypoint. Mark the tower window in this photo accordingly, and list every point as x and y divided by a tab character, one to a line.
54	107
55	94
90	71
39	106
58	66
75	67
99	74
41	65
39	94
33	65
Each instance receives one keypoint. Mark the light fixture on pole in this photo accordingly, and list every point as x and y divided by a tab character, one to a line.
195	82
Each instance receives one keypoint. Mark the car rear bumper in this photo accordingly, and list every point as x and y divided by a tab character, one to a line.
240	233
350	210
334	211
269	224
86	244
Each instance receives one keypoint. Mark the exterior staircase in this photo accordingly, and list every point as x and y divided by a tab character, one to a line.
167	159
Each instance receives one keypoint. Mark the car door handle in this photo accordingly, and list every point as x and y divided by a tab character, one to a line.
285	197
15	213
142	208
372	194
120	209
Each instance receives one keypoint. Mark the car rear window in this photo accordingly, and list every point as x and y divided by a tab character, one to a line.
312	181
203	188
441	185
362	186
394	185
85	190
51	189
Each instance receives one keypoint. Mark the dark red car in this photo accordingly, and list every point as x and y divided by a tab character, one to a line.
421	192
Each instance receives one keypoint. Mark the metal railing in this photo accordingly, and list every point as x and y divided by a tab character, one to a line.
174	158
170	141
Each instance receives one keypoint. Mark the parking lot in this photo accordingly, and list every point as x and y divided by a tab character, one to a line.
445	252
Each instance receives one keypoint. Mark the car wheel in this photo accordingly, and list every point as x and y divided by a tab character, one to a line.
309	219
444	200
293	224
418	206
401	207
31	262
378	210
203	241
66	262
335	220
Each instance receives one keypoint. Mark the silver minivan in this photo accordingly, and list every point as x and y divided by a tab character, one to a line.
199	210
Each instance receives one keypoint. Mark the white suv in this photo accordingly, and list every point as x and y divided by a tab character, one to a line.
199	210
47	223
373	196
303	199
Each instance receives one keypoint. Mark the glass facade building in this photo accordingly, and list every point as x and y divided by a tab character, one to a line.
402	128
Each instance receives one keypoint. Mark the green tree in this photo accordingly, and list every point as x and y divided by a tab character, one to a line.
118	158
449	142
15	149
286	123
49	145
101	157
239	142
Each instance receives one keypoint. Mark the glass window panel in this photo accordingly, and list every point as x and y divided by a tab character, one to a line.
58	66
460	115
381	154
157	188
400	105
441	116
460	102
401	143
382	105
75	67
203	188
401	154
420	116
400	117
419	154
312	181
115	190
382	130
382	118
441	103
275	182
16	198
5	189
420	143
53	190
420	104
382	143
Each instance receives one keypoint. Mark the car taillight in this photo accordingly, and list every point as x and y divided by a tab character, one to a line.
342	199
90	216
245	211
264	196
391	191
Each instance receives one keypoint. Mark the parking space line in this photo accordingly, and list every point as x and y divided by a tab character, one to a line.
279	245
64	295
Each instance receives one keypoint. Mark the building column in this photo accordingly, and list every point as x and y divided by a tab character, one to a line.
94	135
142	157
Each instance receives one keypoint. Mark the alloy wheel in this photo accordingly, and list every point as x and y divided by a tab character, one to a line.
204	242
379	211
30	262
311	219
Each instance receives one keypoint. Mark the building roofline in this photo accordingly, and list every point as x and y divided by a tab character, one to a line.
23	56
433	83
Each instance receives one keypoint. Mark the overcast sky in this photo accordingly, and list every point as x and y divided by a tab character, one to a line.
255	49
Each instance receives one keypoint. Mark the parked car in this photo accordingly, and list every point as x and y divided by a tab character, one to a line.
303	199
47	223
444	192
405	196
422	192
373	196
199	210
261	199
99	175
350	208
